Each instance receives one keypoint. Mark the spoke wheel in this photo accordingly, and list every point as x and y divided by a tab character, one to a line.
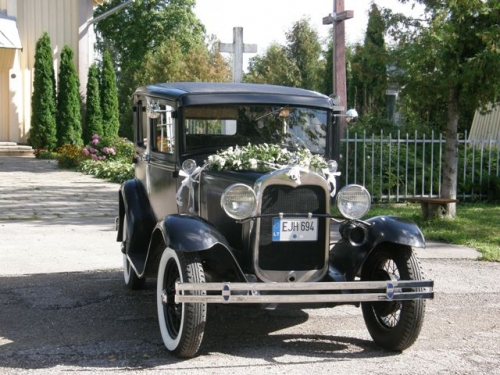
182	325
393	325
132	281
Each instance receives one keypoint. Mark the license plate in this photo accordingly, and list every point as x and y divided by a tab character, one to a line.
296	229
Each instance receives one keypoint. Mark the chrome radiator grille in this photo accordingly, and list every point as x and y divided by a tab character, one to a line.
297	256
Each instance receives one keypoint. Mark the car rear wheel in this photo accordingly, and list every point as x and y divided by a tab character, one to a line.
132	281
182	325
393	325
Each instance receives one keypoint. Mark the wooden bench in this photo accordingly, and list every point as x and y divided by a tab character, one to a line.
432	207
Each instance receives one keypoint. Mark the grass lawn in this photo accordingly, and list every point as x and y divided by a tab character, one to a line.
476	225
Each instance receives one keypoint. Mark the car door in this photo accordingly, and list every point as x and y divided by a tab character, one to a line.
162	167
141	139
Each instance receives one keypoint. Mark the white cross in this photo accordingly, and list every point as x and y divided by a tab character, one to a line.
237	49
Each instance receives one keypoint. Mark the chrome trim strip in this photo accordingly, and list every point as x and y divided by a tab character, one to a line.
370	291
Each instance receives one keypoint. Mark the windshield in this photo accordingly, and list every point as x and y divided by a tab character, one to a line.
224	126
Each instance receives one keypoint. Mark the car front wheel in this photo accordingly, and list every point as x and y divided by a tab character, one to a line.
393	325
181	324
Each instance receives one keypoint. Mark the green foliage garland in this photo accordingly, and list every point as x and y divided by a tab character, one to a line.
264	157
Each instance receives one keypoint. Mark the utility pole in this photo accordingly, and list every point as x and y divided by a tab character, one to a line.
339	93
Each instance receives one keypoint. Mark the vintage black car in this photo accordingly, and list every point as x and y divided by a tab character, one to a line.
231	203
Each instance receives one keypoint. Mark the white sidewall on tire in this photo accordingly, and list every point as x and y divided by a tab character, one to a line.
170	342
127	269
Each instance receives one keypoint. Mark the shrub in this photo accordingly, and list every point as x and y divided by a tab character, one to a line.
124	149
114	171
69	156
41	153
99	150
107	159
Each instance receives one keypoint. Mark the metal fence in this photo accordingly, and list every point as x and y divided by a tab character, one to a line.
395	168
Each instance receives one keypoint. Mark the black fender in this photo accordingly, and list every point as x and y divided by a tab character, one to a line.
348	256
398	230
183	232
134	202
189	233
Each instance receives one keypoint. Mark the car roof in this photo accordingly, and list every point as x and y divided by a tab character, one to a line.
200	93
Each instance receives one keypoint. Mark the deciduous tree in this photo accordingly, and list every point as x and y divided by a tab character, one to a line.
451	56
170	63
274	67
138	30
298	64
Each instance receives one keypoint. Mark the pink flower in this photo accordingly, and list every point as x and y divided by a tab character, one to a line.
92	150
95	141
85	152
94	156
105	150
95	136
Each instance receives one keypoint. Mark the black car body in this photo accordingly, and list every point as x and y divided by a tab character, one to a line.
216	222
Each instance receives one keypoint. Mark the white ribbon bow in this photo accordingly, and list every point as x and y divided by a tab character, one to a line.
188	181
330	177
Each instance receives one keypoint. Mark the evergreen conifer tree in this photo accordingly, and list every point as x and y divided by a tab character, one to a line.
93	114
109	98
69	117
374	65
43	100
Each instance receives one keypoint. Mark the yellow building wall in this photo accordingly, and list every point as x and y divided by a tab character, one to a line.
4	98
65	22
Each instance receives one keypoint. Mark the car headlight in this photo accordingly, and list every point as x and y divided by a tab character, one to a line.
238	201
353	201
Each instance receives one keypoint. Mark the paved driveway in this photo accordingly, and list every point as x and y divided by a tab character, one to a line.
53	220
63	306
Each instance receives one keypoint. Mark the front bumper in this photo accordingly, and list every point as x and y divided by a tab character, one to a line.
319	292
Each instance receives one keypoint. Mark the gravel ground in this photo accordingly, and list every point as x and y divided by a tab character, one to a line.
63	306
88	322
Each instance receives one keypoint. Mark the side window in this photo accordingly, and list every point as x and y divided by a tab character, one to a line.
163	131
144	127
140	124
